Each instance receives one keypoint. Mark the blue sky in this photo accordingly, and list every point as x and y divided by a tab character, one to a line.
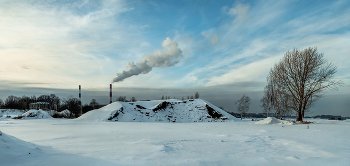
62	44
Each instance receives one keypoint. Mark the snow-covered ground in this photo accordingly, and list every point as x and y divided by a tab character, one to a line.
74	142
92	139
10	113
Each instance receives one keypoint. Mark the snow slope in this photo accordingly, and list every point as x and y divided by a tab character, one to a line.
159	111
101	114
14	151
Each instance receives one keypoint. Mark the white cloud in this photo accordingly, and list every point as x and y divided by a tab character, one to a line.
239	11
144	26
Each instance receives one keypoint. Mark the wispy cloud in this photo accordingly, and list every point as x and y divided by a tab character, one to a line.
239	11
247	51
213	38
53	44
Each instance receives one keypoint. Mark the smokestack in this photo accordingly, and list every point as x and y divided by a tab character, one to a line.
81	108
110	93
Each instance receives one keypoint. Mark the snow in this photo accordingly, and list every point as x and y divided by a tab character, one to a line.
130	143
64	113
10	113
35	114
14	151
152	111
101	114
273	121
92	139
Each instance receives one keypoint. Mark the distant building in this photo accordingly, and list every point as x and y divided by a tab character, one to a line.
39	105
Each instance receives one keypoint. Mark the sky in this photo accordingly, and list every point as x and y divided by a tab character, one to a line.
222	49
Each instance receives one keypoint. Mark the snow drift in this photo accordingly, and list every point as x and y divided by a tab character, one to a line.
159	111
272	121
14	150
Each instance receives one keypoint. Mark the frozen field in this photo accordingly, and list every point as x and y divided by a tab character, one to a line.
74	142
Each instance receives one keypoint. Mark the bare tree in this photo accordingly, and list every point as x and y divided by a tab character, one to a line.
1	103
122	98
303	75
267	99
196	95
72	104
94	104
163	97
243	104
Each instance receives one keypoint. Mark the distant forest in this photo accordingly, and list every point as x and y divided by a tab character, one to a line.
53	102
60	104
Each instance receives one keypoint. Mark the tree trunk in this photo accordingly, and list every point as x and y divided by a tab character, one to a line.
267	114
277	106
299	117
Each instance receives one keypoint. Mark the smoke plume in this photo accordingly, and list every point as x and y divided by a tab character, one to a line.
161	58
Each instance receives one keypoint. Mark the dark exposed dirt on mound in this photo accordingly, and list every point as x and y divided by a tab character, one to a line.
213	113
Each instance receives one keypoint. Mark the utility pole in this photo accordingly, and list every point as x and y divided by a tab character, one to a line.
110	93
81	107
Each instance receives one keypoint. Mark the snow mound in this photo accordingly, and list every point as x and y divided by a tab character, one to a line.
34	114
159	111
272	121
63	114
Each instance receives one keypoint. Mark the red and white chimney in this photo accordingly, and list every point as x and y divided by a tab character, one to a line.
110	93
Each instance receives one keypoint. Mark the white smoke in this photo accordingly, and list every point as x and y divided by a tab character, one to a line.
161	58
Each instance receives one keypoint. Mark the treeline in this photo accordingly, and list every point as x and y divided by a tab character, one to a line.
123	99
53	103
196	96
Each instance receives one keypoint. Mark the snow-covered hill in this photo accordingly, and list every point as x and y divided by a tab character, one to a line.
196	110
